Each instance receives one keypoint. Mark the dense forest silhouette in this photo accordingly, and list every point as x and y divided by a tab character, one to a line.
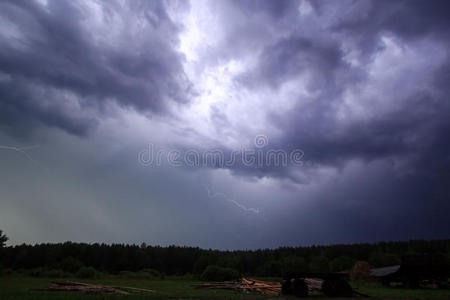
176	260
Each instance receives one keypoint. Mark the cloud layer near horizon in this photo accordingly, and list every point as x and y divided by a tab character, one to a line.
361	88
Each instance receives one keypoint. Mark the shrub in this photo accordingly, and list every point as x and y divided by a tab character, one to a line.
125	274
45	272
8	272
342	263
152	272
203	262
216	273
293	266
380	259
71	265
319	264
270	268
86	272
34	272
56	273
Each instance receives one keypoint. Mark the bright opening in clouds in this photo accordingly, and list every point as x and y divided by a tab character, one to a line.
224	124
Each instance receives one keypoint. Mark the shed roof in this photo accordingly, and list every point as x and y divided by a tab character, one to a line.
380	272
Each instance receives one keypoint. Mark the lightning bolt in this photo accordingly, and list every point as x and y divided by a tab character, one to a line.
212	195
21	150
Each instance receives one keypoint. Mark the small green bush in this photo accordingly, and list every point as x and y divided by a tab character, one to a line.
319	264
71	265
56	273
293	266
46	272
6	272
152	272
143	274
86	272
216	273
34	272
381	259
270	268
341	263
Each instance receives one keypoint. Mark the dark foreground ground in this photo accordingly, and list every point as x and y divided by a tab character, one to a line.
21	287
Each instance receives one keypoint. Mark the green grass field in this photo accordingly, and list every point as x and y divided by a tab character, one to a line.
21	287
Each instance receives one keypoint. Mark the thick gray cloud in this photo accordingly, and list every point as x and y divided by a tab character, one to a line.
64	58
318	59
357	107
360	87
406	19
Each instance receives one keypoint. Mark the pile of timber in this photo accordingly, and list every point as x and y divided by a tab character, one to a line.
245	285
71	286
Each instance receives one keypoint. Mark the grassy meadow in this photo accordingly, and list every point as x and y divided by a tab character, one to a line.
21	287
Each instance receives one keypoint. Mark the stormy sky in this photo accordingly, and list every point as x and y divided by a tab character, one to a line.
224	124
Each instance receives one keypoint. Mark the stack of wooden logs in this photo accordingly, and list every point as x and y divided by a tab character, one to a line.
246	285
91	288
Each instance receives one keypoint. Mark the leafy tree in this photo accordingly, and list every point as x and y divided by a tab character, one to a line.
3	239
270	268
380	259
341	263
229	261
70	264
294	266
175	260
203	262
87	272
319	264
216	273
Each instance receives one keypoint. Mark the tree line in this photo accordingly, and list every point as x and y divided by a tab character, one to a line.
176	260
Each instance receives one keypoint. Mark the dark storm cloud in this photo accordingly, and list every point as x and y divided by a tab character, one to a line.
22	109
360	87
401	138
405	132
61	49
407	19
405	126
293	55
273	9
318	53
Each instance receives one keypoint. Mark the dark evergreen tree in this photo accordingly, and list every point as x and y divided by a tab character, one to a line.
3	239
